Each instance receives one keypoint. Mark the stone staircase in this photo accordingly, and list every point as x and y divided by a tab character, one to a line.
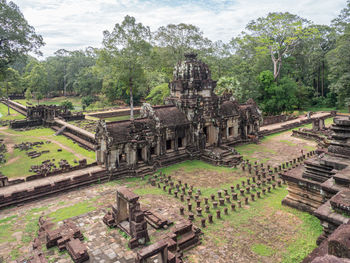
173	157
223	156
59	132
144	169
316	171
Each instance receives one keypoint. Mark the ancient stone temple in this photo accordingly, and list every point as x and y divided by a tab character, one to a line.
195	123
321	187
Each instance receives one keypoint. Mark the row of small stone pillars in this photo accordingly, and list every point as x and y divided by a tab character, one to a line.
262	181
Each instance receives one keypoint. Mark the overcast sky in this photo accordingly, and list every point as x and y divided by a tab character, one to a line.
76	24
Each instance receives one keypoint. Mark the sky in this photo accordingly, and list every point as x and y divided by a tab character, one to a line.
77	24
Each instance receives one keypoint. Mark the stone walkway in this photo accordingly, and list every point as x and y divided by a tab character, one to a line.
77	129
51	179
300	118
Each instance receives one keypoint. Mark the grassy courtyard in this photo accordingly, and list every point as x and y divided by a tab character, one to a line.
18	163
14	115
260	231
272	232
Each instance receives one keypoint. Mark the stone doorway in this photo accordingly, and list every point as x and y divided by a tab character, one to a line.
209	132
139	155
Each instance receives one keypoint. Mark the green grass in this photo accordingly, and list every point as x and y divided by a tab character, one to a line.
289	143
248	149
120	118
191	165
76	101
314	109
149	190
310	148
21	167
242	220
262	250
71	211
39	132
14	254
14	115
6	231
7	219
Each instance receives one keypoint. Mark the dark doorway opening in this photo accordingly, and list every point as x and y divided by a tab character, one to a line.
179	142
168	144
139	154
230	131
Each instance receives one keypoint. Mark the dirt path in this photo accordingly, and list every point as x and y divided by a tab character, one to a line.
11	161
78	155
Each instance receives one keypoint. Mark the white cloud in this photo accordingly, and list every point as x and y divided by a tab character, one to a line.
75	24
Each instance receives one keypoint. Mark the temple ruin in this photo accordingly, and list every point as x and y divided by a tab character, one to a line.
321	187
195	123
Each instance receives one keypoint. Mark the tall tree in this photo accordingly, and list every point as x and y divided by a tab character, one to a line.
277	35
10	84
129	43
17	37
343	19
179	39
36	79
339	60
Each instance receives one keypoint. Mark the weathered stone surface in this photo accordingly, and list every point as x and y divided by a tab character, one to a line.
195	122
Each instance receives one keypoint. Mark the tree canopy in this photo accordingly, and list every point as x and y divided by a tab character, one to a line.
283	61
17	37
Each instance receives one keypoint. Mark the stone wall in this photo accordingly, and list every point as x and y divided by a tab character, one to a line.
62	185
7	182
292	125
268	120
20	124
115	113
16	96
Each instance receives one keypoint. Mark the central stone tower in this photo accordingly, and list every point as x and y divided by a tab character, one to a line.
192	78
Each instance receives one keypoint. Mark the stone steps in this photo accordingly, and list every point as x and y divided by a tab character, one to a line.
60	130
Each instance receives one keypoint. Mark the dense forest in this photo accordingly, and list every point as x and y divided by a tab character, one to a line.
282	61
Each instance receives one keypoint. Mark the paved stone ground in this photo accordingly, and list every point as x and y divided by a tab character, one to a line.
50	179
104	244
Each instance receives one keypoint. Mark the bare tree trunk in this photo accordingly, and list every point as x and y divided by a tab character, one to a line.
131	101
322	79
8	99
274	68
277	64
318	81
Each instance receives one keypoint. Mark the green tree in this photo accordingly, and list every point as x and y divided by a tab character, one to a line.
17	37
179	39
68	104
277	35
36	79
129	45
38	96
87	101
158	94
343	19
229	86
276	98
339	60
87	82
28	94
